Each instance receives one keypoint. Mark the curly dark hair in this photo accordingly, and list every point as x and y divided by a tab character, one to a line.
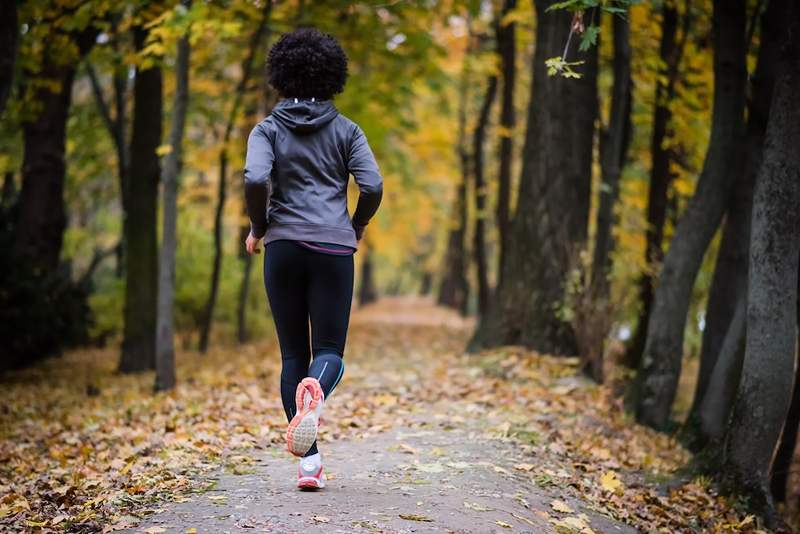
307	63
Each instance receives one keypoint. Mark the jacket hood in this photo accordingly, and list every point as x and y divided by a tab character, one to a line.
304	116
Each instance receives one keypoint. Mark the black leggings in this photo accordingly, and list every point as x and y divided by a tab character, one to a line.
304	285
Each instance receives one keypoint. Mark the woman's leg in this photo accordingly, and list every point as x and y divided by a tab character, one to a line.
330	293
286	281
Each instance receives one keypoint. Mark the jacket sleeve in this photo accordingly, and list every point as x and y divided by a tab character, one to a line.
257	185
362	165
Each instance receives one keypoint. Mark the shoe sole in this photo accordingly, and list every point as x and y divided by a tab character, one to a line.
310	483
302	430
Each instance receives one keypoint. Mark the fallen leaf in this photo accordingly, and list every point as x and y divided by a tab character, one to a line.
504	524
610	482
416	517
477	507
155	530
561	506
321	519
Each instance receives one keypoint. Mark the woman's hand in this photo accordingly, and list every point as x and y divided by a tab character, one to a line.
251	244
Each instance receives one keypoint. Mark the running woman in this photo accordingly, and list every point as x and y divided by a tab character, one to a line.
299	160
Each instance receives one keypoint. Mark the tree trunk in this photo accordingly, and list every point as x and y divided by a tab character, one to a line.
141	260
116	127
614	147
247	68
781	466
9	33
454	289
42	215
479	239
506	48
671	53
242	333
165	346
553	209
660	366
367	293
714	411
729	284
765	393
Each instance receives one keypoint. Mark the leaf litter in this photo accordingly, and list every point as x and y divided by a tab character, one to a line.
83	449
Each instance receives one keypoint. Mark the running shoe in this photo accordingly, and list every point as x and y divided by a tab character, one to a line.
302	430
309	473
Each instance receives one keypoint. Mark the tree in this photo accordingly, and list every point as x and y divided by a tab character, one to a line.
660	365
765	392
479	237
165	333
247	68
42	214
671	53
505	35
454	288
614	143
550	224
723	337
9	33
141	260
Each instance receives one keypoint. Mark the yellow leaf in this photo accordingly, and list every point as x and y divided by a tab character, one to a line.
163	150
191	530
610	482
561	506
503	524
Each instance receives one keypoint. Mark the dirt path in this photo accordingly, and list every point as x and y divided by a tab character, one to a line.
403	452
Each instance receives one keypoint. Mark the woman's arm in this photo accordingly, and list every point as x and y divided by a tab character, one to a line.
364	168
257	186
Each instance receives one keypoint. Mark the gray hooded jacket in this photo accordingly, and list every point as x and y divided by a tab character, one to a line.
298	164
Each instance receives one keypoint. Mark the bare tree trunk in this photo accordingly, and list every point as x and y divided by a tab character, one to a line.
247	68
479	239
368	293
555	188
454	289
765	392
244	290
781	466
141	260
9	32
729	284
165	346
614	147
116	127
42	215
671	53
660	366
506	48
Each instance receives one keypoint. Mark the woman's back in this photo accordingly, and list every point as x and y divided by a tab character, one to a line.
303	153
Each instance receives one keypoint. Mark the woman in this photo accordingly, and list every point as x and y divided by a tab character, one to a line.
298	164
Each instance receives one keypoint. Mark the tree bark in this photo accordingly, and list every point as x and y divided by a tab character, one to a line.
765	392
247	68
367	293
141	260
613	148
671	54
479	238
781	466
506	48
165	345
42	215
553	209
454	289
729	284
9	33
660	366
